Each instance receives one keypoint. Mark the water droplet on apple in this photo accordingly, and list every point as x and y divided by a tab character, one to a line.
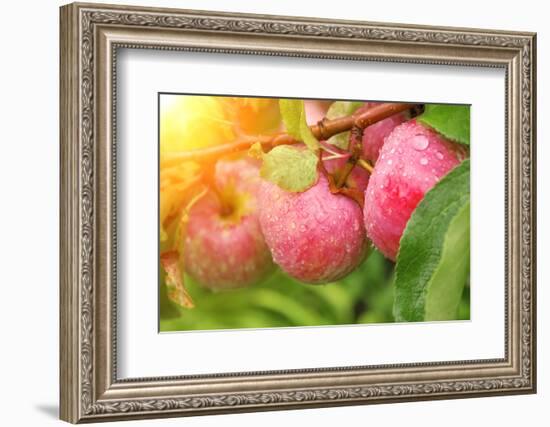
420	142
423	161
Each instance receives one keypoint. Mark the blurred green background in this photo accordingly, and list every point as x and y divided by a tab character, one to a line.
364	296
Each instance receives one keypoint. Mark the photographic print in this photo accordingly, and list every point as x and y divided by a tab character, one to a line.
331	233
280	212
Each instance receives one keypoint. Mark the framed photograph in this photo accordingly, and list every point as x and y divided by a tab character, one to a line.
266	212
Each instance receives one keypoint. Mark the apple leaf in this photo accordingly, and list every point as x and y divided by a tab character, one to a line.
291	112
171	262
434	257
452	121
294	118
340	109
343	108
291	168
306	134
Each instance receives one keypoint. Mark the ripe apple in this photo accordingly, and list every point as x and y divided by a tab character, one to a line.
224	247
314	236
412	160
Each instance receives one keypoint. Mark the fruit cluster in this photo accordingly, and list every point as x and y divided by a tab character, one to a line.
239	232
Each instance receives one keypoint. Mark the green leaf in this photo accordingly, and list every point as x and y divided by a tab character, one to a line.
291	168
291	112
341	109
294	118
452	121
306	135
448	281
434	257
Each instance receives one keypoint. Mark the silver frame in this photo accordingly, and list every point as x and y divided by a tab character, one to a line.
90	37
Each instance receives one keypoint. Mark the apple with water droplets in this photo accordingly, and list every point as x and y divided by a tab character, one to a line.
412	160
314	236
375	134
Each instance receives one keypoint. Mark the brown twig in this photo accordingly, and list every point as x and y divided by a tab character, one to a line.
322	131
365	165
356	149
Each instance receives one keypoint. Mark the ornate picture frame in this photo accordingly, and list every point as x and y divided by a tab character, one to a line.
90	37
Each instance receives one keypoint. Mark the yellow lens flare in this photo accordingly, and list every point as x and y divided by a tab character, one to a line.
191	122
188	123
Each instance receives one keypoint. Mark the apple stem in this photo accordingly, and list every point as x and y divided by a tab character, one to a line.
356	149
226	208
365	165
353	193
208	178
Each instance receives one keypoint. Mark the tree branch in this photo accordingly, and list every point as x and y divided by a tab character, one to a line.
323	130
